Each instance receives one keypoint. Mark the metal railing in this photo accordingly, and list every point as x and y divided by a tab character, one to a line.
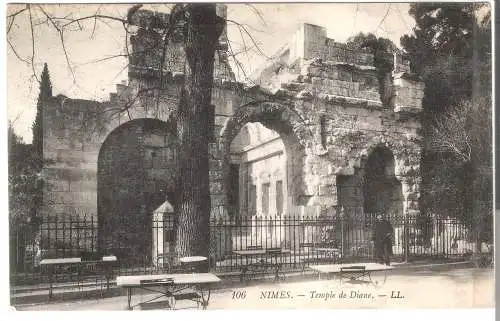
307	239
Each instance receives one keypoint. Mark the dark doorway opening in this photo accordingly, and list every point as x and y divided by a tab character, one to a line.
136	172
382	191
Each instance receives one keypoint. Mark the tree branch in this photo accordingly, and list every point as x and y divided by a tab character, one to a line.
16	53
95	22
257	13
250	36
13	17
94	16
32	44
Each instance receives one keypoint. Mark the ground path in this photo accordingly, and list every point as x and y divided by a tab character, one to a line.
455	288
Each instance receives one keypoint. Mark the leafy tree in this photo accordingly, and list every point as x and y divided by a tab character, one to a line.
442	29
441	51
25	194
451	51
25	180
45	93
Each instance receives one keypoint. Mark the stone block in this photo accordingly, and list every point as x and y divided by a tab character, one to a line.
327	190
317	82
370	123
220	120
56	185
216	187
215	164
217	200
215	175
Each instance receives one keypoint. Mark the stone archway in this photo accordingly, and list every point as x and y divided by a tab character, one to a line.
136	174
295	134
382	190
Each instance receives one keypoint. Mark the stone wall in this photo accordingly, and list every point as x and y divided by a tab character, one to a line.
72	129
75	131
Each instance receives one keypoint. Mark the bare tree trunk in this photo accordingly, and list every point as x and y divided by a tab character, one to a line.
192	124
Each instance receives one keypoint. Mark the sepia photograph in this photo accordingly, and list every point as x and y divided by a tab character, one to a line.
228	156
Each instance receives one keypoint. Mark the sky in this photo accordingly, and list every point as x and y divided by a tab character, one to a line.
270	24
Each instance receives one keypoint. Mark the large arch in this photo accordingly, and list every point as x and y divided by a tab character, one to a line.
295	134
135	175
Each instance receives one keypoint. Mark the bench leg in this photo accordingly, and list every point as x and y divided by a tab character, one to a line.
242	274
107	281
50	290
129	298
51	280
278	271
204	301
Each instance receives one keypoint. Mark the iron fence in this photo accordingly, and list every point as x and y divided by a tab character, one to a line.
306	239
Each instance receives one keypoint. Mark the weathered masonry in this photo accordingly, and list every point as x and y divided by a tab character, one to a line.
339	144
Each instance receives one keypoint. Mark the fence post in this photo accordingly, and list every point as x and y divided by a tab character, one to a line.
92	233
342	231
406	236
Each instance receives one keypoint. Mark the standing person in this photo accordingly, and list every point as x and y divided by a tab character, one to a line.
382	239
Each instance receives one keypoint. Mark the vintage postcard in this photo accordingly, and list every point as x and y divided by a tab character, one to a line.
220	156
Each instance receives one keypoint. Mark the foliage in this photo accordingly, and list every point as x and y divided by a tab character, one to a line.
451	51
441	51
442	29
450	48
382	49
464	130
45	93
26	163
25	184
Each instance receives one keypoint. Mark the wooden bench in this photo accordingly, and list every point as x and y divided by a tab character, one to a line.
98	271
168	284
353	268
191	296
254	247
265	265
321	252
353	272
262	267
59	266
156	305
172	287
314	246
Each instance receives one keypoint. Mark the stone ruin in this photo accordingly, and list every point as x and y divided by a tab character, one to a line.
322	98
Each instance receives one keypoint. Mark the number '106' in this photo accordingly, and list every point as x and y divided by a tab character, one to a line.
239	294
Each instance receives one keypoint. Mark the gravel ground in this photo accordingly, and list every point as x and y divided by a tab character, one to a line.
456	288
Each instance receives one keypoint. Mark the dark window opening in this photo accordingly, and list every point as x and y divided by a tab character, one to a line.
252	200
265	198
322	122
279	197
234	189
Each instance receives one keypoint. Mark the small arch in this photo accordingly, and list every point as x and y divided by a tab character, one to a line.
382	190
